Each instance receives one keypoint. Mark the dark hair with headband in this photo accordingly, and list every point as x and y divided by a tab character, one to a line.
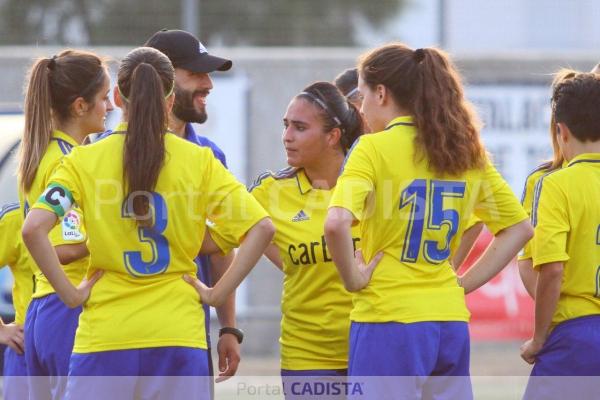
53	85
335	111
145	79
347	82
426	84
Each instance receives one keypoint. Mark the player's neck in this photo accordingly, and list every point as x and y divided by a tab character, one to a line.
72	129
176	126
324	174
584	148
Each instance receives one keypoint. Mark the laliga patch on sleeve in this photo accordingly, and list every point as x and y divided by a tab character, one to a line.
58	198
71	227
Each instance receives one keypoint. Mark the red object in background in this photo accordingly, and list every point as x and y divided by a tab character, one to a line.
501	309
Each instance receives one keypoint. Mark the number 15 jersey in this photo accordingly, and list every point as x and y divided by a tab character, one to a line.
415	217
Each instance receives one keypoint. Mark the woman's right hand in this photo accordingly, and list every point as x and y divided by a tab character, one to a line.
84	289
206	293
12	336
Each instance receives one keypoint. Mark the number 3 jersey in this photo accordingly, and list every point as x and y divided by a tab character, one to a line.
141	300
415	217
315	306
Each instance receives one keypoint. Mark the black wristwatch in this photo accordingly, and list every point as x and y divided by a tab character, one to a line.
238	333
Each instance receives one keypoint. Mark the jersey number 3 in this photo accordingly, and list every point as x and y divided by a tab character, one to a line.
415	198
152	235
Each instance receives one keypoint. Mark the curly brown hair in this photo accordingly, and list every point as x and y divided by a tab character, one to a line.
426	84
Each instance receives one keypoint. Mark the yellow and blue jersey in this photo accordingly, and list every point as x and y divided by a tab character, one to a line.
315	306
142	301
415	217
566	217
14	254
71	229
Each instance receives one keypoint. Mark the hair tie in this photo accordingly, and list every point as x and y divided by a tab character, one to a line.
52	62
419	55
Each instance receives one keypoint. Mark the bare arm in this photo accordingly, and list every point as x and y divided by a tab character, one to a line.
355	274
546	298
251	249
68	253
529	276
466	244
503	248
272	254
36	227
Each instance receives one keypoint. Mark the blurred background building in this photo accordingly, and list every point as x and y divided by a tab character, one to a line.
506	49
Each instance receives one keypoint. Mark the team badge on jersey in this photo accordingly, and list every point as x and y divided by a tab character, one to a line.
58	198
71	227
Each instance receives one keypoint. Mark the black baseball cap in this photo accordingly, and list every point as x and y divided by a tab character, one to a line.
186	52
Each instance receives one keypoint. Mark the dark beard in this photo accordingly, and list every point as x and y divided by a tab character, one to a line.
183	108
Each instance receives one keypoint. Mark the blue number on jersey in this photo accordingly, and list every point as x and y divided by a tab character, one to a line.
415	196
159	244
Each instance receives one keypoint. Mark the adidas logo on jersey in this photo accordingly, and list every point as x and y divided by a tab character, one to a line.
301	216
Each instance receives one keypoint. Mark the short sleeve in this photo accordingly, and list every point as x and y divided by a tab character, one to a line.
356	181
232	211
497	206
64	188
551	222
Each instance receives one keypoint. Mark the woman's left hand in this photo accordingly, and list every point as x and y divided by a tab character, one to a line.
205	292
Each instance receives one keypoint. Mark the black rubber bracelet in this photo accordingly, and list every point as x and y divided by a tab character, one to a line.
238	333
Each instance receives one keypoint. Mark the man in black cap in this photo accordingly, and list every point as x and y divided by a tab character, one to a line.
192	85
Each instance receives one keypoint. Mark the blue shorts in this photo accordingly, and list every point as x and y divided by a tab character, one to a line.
49	336
428	360
571	352
15	386
153	373
314	383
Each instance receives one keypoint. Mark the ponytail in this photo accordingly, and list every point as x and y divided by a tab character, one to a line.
54	83
145	78
38	122
447	126
426	84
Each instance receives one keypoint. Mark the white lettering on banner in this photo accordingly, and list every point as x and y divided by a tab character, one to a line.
516	127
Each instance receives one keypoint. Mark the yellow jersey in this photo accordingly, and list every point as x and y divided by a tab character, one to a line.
566	216
71	229
315	306
415	216
142	301
14	254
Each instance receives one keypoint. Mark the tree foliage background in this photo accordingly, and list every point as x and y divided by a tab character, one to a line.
225	22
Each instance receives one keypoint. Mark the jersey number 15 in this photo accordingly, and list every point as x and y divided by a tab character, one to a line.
415	198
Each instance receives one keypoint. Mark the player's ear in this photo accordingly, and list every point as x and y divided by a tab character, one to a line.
563	132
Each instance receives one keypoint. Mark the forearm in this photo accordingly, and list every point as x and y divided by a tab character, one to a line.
546	299
339	242
46	258
68	253
500	252
466	244
528	275
218	265
248	254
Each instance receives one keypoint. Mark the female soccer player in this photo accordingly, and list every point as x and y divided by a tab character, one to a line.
67	99
528	274
14	254
566	249
146	207
414	186
320	125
